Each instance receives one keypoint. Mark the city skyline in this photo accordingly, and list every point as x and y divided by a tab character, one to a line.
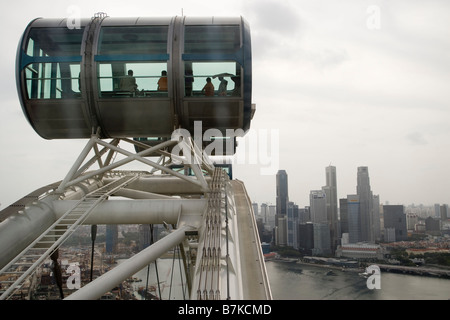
357	230
341	194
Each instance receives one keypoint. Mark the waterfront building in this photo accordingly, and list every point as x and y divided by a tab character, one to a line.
306	238
292	223
394	217
360	251
321	239
281	232
353	217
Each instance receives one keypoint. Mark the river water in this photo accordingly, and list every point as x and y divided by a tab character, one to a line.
294	281
298	281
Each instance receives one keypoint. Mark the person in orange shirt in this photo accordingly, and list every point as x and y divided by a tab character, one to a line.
162	82
208	89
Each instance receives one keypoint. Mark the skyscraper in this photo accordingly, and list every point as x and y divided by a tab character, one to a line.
112	231
318	206
321	226
282	207
332	205
376	218
282	193
365	204
292	223
395	218
353	218
343	215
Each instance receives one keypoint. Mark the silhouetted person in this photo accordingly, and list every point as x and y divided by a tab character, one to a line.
128	83
223	86
162	82
208	89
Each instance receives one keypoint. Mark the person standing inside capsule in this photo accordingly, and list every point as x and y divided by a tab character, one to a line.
128	83
208	89
162	82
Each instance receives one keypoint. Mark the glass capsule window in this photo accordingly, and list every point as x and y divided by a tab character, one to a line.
133	61
46	77
141	40
133	79
53	81
212	79
223	39
54	42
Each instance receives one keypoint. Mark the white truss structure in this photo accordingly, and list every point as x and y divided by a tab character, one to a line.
199	206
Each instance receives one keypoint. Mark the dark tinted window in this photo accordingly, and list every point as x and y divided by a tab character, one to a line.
211	39
54	42
133	40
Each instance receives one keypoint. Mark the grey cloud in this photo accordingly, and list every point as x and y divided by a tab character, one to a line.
417	138
276	27
275	17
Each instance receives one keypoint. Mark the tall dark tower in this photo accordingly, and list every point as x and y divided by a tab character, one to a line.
282	193
332	205
366	204
112	232
282	205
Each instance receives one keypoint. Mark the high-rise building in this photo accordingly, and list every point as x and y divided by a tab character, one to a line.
444	212
112	233
376	218
332	205
437	210
271	217
321	226
255	209
292	225
353	218
282	193
321	239
265	212
281	231
343	215
365	204
306	238
304	215
318	206
395	217
432	225
282	206
144	236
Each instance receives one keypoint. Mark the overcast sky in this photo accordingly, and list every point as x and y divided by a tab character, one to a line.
348	83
